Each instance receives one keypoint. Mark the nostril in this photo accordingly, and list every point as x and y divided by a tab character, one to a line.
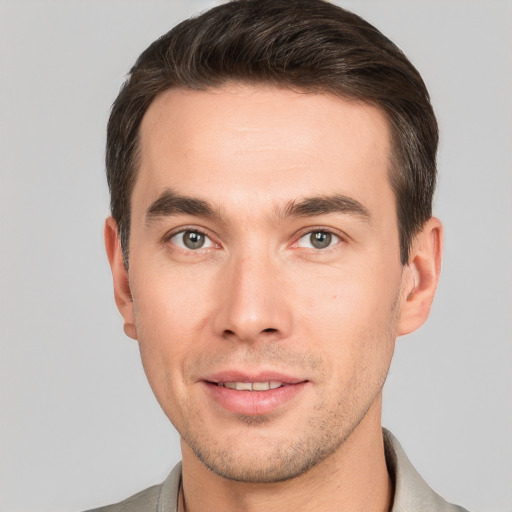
251	333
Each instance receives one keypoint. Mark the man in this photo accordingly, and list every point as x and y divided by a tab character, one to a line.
271	167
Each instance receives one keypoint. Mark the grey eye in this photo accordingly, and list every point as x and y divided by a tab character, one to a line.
317	240
191	240
320	239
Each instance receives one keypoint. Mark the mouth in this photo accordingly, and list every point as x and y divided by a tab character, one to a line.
253	396
252	386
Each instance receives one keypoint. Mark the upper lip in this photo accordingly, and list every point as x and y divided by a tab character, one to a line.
242	376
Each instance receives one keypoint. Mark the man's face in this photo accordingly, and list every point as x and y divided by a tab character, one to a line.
264	254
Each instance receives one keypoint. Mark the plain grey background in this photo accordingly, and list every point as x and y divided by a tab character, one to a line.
79	426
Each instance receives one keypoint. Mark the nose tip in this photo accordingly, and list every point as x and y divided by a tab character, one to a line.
252	305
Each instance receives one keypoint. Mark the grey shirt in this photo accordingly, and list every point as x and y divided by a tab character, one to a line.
412	494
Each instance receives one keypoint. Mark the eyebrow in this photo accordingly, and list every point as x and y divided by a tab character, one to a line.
321	205
170	203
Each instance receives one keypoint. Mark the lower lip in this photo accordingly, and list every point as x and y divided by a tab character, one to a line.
253	403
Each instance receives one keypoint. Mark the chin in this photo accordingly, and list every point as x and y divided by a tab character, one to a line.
272	470
276	461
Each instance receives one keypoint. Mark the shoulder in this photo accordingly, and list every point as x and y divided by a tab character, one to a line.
158	498
144	501
412	493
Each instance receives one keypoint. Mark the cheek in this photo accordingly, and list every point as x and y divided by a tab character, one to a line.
356	297
170	317
353	318
170	302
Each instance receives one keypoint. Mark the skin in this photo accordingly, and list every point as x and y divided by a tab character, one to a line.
259	298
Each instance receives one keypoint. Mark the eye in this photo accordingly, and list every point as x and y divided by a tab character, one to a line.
318	240
191	240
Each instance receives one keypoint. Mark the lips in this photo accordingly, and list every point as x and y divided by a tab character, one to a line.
253	395
251	386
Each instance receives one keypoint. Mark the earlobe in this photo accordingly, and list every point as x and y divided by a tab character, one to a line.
122	292
421	275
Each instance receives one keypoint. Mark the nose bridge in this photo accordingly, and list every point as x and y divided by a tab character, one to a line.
252	303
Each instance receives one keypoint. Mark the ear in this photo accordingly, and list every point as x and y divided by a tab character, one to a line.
122	291
421	275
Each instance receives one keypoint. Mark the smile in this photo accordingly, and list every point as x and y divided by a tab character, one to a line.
251	386
253	396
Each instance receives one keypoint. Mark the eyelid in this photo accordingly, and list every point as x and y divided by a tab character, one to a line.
341	237
183	229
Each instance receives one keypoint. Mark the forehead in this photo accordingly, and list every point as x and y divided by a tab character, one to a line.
261	142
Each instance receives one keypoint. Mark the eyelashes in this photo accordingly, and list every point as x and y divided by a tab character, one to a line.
191	240
194	239
318	239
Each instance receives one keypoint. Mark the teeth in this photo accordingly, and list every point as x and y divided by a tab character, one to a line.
260	386
251	386
243	386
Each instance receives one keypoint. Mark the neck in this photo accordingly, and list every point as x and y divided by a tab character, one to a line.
354	478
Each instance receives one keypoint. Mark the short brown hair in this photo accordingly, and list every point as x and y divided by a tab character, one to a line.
307	45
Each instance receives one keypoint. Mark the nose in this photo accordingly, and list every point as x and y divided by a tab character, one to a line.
252	300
